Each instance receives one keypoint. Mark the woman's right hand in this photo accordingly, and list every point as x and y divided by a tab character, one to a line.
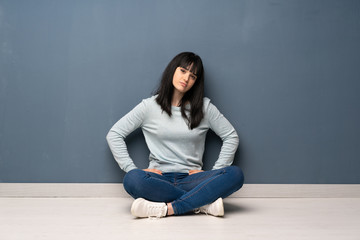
153	171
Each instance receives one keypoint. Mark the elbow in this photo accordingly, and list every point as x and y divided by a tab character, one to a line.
113	136
109	136
232	139
236	142
235	138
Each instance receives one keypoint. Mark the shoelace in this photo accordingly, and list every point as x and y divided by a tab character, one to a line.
154	212
201	210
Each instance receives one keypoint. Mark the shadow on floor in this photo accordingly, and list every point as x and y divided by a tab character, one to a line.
236	208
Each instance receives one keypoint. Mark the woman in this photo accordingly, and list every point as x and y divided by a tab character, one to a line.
174	123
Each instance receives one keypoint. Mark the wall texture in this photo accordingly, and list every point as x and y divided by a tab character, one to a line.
285	73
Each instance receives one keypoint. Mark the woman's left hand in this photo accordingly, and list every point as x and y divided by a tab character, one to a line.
194	171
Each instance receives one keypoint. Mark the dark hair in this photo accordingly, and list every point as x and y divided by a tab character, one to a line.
195	96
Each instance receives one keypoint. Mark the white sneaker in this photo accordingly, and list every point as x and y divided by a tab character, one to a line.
144	208
216	208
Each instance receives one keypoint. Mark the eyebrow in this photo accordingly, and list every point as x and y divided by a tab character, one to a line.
189	71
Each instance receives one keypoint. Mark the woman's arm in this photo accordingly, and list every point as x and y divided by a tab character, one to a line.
120	130
223	128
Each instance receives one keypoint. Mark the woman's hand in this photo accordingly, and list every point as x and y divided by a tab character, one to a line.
194	171
153	171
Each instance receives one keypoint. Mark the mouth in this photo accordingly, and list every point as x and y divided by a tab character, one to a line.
183	84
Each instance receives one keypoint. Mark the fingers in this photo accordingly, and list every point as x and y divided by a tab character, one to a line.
194	171
153	170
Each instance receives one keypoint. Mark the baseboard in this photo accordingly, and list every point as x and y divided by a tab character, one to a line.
116	190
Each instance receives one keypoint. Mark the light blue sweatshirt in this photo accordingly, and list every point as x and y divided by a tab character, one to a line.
173	146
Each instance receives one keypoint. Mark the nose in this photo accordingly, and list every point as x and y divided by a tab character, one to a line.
187	77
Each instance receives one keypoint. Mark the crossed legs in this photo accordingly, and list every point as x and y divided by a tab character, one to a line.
183	192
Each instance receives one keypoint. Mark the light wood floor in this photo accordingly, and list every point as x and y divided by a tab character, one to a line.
245	218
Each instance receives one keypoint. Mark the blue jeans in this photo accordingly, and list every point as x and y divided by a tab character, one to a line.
185	192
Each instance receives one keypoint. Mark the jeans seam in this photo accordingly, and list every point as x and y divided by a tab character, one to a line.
201	179
202	187
204	178
158	179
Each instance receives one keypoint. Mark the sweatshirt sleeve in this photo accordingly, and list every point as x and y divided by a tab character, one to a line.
121	129
223	128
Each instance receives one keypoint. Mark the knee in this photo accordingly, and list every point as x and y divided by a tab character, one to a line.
237	175
132	178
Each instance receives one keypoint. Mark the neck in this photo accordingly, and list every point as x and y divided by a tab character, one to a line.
176	98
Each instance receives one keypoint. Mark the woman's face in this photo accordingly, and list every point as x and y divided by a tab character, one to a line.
183	79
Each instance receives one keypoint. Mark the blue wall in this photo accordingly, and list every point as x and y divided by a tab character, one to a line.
285	73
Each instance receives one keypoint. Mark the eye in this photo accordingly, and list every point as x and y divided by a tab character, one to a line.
182	70
193	77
